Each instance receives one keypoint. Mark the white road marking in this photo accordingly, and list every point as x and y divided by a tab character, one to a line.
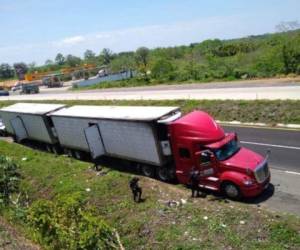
292	172
270	145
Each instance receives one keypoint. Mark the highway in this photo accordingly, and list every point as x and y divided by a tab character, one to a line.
283	143
283	194
214	91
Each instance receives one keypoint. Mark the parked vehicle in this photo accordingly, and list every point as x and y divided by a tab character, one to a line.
16	87
30	121
162	143
52	81
30	89
3	92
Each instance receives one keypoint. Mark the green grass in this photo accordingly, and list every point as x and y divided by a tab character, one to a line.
270	112
153	224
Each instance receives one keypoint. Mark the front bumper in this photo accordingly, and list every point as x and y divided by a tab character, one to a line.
256	189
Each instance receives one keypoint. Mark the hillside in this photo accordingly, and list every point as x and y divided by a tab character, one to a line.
167	219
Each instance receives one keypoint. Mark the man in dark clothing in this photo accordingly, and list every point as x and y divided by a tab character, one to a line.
194	181
136	189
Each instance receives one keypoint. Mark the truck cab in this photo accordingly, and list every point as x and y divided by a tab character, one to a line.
199	142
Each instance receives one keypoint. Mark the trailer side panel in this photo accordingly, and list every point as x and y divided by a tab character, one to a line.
34	124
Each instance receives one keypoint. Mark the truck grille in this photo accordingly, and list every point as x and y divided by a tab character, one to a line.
262	172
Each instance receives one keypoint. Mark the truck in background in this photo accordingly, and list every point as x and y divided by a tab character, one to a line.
163	143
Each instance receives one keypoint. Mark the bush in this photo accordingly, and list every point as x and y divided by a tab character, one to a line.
163	69
65	224
9	179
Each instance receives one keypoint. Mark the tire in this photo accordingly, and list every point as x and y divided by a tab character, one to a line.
231	190
49	148
163	174
148	170
77	155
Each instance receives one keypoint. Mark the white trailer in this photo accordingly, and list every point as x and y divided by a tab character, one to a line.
30	121
124	132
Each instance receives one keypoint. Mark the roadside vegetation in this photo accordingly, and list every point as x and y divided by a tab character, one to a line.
264	111
64	202
268	55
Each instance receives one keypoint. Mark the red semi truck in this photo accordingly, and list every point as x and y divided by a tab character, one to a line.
198	141
158	139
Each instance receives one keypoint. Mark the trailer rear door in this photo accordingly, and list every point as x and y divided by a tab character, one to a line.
94	141
19	128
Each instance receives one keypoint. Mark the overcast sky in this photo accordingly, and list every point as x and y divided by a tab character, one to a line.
36	30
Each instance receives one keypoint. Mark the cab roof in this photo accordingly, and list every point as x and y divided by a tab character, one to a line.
198	125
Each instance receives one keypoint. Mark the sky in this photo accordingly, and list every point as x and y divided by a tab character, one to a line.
36	30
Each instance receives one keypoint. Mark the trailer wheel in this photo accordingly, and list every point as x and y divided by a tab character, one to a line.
48	148
231	190
148	170
77	155
163	174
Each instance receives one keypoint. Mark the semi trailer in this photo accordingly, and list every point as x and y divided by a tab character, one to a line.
31	121
163	143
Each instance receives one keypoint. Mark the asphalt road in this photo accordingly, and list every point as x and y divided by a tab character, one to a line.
217	91
283	143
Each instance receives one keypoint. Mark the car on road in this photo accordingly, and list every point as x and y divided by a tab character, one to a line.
16	87
3	92
30	89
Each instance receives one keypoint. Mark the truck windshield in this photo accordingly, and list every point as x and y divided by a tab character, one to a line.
227	150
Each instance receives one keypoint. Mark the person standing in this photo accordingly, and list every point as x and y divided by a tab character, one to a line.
136	189
194	182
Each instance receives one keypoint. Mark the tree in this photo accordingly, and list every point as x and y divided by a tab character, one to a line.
9	179
60	59
31	66
142	56
49	62
73	61
6	71
163	69
107	55
21	69
89	55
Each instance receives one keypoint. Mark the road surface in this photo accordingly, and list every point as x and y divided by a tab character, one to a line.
221	91
283	195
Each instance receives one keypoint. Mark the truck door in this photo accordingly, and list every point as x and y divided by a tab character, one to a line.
19	128
205	163
94	141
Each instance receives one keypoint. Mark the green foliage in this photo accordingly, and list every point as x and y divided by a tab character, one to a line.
6	71
73	61
9	179
163	69
60	59
66	224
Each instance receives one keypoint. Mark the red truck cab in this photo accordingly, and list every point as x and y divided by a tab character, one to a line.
197	141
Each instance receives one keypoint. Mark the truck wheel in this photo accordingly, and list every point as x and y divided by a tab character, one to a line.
77	155
231	190
48	148
147	170
163	174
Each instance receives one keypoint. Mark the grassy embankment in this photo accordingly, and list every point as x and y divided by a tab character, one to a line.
270	112
198	224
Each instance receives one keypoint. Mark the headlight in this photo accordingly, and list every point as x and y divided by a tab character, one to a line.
248	182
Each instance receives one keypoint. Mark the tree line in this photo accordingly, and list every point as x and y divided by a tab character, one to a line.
266	55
